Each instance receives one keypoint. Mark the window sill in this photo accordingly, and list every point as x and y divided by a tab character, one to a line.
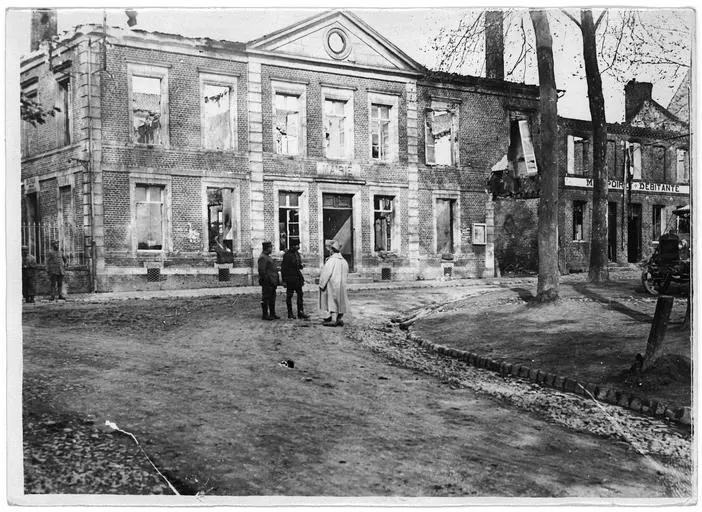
579	241
148	146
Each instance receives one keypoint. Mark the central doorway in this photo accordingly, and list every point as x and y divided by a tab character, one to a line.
337	223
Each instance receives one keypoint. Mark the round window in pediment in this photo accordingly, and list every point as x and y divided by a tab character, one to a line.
336	43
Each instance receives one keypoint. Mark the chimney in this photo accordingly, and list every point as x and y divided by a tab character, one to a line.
43	26
635	94
494	46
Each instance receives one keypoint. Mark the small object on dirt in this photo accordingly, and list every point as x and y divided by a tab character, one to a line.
382	377
288	363
342	462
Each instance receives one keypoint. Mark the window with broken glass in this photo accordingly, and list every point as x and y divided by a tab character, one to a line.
380	132
288	219
683	166
217	106
287	124
147	122
634	159
335	128
63	112
221	224
578	216
445	225
149	217
521	153
383	222
577	148
441	136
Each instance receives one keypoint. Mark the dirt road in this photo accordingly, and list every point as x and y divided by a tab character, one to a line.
198	382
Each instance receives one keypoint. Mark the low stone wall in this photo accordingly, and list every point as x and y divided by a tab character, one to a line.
76	280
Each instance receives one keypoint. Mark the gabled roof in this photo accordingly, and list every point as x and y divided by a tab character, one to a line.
652	114
302	39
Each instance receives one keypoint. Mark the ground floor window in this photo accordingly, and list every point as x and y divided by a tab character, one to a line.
220	220
578	216
149	217
444	225
383	222
288	219
657	222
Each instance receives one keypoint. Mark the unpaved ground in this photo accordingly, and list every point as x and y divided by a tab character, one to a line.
362	412
592	334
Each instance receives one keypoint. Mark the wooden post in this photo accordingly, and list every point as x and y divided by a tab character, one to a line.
654	346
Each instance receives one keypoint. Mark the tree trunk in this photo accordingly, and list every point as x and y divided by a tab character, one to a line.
547	287
654	345
598	239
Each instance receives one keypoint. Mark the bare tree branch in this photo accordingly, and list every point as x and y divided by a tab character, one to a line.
572	18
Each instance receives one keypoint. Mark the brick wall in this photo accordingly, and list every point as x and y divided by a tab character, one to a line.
117	212
186	203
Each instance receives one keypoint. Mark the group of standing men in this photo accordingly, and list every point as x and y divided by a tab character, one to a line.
333	299
55	268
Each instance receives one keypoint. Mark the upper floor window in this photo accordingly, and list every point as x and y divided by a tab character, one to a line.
338	123
218	107
63	112
634	157
683	166
148	89
384	144
521	153
441	134
577	148
287	124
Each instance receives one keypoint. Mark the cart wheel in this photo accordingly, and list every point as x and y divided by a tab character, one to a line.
649	284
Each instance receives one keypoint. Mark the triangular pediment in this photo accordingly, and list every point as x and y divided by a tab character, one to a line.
336	37
651	115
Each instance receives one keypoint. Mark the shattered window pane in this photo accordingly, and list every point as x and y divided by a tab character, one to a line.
444	225
383	221
578	214
146	109
380	132
288	219
149	217
287	124
217	113
440	137
220	219
335	128
683	166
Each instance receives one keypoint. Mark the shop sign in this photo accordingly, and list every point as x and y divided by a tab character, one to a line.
342	169
643	186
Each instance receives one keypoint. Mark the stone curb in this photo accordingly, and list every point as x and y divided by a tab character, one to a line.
636	403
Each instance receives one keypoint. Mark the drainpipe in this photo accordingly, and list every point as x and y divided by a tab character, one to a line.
93	248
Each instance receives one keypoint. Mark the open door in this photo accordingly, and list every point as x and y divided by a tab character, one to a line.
337	219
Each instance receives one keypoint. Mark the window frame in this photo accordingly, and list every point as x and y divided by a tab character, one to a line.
150	71
583	213
636	150
302	189
218	80
393	102
147	179
65	132
291	89
572	163
661	224
347	97
685	166
456	215
393	224
453	106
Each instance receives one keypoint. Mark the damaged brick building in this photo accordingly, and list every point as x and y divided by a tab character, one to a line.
170	159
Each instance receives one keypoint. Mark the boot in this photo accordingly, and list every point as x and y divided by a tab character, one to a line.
264	311
271	309
302	314
288	303
301	308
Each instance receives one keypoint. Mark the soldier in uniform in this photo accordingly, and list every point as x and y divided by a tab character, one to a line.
290	270
29	264
268	279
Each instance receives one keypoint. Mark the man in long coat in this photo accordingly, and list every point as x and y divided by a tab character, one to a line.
332	287
268	279
29	264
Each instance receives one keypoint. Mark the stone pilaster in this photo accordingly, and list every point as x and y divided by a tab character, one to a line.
88	95
490	238
255	113
412	175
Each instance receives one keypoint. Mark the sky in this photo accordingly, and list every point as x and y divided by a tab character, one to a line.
411	29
